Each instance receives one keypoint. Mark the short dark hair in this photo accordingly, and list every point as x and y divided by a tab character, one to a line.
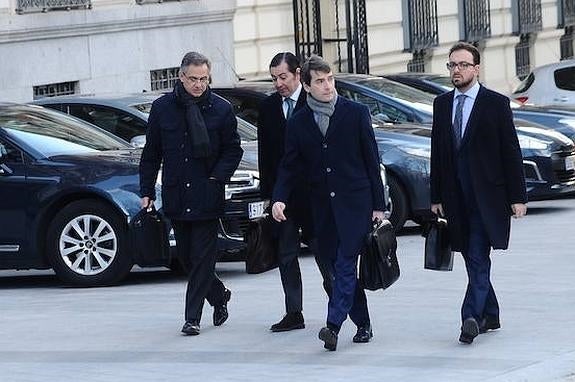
468	47
289	58
316	63
196	59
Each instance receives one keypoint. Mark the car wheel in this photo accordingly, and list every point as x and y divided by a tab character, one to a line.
87	244
398	205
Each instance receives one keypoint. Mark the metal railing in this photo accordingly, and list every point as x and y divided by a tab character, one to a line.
476	19
53	90
527	16
522	57
566	44
566	13
30	6
421	16
417	63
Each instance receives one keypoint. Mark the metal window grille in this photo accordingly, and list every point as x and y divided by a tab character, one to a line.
140	2
526	16
566	44
307	27
476	19
522	59
53	90
566	13
422	24
163	79
30	6
417	63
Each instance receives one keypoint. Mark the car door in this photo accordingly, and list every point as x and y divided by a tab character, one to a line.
13	201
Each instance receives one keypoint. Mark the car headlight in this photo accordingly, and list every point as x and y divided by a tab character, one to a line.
423	152
532	143
242	181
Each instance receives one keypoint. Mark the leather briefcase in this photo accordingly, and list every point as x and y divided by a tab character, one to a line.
261	246
150	238
438	255
378	266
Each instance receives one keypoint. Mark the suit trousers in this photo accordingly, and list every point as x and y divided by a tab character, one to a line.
196	243
347	297
289	245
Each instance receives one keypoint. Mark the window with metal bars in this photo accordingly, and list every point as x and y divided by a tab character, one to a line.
522	57
53	90
163	79
566	10
475	19
566	44
31	6
421	32
527	16
417	63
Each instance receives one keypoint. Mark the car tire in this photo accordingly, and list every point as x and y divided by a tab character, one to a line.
399	207
87	244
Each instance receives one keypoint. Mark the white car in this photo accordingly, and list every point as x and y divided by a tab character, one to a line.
552	84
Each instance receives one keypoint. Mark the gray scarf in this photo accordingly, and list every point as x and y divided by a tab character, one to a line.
322	111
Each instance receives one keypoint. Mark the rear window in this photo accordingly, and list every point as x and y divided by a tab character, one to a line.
526	84
565	78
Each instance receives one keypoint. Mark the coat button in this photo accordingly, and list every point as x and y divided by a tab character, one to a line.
188	210
182	146
328	169
187	185
185	159
324	145
332	194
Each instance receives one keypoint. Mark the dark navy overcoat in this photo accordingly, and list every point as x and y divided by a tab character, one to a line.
342	170
493	161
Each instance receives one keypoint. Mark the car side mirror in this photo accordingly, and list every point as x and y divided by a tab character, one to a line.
138	141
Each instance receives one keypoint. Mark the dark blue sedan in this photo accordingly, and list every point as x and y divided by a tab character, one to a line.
68	191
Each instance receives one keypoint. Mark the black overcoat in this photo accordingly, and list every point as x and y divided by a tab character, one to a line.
342	170
187	191
494	164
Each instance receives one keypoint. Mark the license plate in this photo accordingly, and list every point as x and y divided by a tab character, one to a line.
570	163
256	209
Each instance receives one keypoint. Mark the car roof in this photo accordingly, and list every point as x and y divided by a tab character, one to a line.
555	65
115	100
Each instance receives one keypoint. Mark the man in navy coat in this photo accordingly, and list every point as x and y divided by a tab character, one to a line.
477	180
274	113
193	134
330	142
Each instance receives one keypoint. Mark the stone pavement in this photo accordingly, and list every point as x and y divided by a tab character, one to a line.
49	332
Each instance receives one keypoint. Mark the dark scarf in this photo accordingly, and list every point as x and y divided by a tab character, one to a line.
194	119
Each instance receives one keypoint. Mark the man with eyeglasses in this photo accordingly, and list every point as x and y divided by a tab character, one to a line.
193	134
477	181
274	113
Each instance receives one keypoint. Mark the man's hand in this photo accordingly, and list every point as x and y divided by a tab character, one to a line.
377	215
437	209
147	202
278	211
519	210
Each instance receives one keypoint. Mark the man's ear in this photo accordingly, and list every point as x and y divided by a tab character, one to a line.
306	87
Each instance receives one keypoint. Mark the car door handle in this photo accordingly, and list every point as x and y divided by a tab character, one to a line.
561	99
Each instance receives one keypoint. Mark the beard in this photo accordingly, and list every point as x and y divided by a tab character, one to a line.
461	82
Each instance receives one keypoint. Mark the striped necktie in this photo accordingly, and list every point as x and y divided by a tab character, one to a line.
458	120
289	103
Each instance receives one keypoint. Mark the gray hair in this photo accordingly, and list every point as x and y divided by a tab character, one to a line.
315	63
195	59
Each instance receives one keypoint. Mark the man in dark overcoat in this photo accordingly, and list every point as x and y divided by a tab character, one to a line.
331	143
273	114
193	134
477	180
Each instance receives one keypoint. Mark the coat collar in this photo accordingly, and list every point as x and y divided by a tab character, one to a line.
473	117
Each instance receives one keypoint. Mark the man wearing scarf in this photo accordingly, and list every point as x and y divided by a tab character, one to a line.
331	142
192	133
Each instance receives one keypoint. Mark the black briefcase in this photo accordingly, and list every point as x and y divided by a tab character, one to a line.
438	254
150	240
261	246
378	265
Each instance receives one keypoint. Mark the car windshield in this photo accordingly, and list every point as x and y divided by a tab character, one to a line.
402	93
52	133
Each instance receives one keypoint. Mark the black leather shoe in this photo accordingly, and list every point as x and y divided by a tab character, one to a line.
191	328
329	338
221	311
469	330
489	323
290	321
364	334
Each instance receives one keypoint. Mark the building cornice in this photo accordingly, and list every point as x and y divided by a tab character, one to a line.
89	27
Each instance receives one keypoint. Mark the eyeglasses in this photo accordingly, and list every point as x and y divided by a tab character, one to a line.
196	80
460	65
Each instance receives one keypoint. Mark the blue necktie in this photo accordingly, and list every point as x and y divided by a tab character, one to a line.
458	120
289	103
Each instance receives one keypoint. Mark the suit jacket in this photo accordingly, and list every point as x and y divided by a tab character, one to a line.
187	193
342	170
271	144
490	160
